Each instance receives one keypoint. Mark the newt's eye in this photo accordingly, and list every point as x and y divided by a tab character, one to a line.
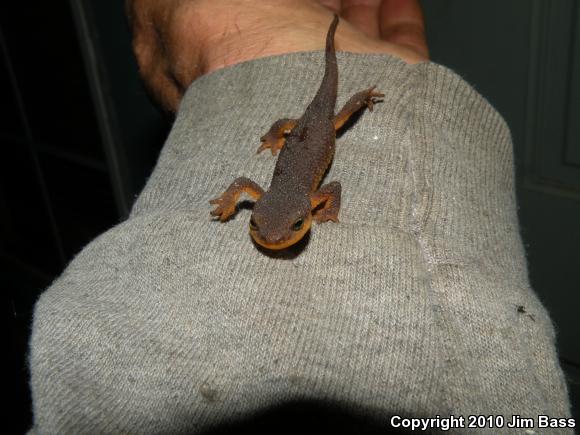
297	226
253	225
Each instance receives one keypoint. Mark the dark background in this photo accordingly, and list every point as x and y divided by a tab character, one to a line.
79	138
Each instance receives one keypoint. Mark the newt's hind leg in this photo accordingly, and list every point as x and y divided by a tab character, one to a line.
276	136
226	202
326	202
356	102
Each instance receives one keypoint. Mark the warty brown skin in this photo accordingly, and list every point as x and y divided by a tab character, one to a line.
283	214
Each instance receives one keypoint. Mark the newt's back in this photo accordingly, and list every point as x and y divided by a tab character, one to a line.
310	145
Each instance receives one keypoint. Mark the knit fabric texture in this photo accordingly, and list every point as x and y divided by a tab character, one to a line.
416	304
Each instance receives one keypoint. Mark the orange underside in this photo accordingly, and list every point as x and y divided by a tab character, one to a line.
296	237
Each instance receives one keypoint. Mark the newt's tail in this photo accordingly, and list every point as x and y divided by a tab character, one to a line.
325	99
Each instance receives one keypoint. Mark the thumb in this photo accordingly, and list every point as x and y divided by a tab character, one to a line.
402	23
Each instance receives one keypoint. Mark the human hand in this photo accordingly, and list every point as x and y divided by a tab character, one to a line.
176	41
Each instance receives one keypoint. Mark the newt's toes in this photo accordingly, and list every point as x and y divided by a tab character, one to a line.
321	220
372	95
223	213
274	144
264	145
224	208
322	216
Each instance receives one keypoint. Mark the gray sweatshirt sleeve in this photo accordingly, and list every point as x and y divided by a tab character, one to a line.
416	304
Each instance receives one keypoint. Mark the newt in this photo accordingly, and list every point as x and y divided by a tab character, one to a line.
283	214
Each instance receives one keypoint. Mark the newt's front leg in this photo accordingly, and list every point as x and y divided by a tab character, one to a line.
326	202
276	136
356	102
226	202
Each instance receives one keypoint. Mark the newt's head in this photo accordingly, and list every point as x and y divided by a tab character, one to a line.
279	221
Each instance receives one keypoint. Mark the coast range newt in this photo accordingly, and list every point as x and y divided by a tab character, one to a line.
283	214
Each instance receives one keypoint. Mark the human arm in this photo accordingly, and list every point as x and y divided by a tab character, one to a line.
176	41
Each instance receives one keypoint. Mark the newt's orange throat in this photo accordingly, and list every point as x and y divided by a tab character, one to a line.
283	214
284	240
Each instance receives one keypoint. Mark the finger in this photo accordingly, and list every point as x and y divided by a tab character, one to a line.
149	54
180	41
402	22
169	92
162	85
333	5
363	14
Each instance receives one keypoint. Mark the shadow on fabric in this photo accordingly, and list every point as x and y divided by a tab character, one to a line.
307	417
